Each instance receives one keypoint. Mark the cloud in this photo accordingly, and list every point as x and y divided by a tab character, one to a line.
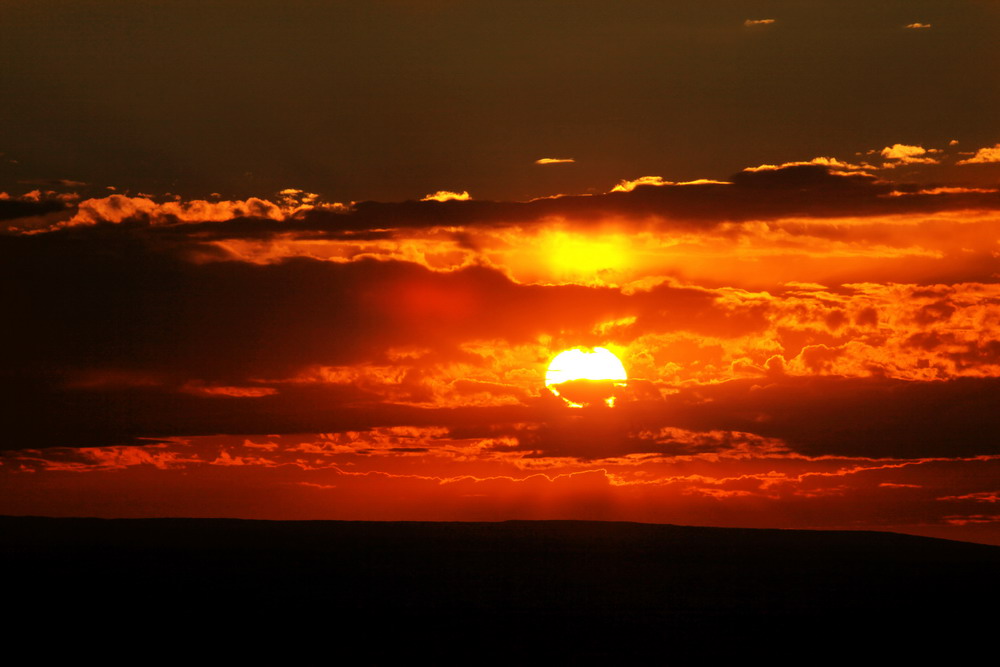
432	473
26	209
116	209
753	22
199	388
807	176
906	154
852	416
979	497
822	187
193	336
833	165
193	318
658	181
554	160
629	186
944	190
293	197
901	151
984	155
918	26
53	182
446	195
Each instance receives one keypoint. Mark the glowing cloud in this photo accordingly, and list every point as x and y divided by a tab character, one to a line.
446	195
901	151
835	166
918	26
554	160
752	22
579	257
629	186
118	208
984	155
906	154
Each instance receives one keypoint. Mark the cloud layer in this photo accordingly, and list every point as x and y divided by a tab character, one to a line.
808	336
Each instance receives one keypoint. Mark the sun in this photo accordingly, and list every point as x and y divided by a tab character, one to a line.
584	376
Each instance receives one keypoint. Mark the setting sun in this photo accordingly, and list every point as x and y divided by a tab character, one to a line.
579	376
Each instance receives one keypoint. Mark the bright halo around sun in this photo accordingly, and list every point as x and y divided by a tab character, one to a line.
583	376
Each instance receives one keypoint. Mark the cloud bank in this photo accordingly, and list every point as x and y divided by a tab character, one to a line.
806	335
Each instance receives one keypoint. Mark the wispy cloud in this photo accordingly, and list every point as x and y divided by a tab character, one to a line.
629	186
918	26
554	160
752	22
981	497
53	182
658	181
833	165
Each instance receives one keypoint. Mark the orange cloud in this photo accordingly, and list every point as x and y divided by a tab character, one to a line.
421	474
97	459
446	195
984	155
834	165
629	186
753	22
554	160
804	340
657	181
119	208
906	154
973	519
980	497
945	190
918	26
198	388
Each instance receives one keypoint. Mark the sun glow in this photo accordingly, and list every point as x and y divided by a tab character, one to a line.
574	256
581	376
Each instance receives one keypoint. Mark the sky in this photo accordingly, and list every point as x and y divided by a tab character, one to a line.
312	260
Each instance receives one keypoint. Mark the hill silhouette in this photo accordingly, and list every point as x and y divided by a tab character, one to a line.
304	591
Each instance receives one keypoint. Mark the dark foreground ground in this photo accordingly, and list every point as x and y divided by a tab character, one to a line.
136	591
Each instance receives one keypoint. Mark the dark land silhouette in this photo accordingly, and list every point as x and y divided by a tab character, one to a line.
311	592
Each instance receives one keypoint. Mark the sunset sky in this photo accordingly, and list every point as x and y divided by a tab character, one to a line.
311	260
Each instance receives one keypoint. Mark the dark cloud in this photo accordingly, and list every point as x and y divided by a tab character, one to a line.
106	299
14	209
877	417
46	416
806	190
760	194
814	416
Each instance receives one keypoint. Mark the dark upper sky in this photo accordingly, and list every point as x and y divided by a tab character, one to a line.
390	100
